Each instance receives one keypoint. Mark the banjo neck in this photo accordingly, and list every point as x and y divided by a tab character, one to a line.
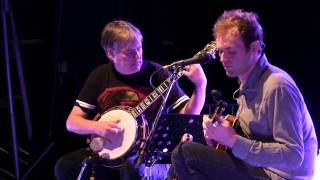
155	94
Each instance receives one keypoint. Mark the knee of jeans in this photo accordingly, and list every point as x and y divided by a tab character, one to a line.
175	154
179	152
183	151
60	168
57	168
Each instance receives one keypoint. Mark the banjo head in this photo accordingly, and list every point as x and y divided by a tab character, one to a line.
115	148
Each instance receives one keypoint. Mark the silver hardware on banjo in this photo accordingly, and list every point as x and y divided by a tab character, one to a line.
132	121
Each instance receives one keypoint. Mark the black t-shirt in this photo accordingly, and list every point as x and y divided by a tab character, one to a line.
105	88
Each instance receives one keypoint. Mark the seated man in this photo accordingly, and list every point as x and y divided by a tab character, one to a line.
279	140
124	82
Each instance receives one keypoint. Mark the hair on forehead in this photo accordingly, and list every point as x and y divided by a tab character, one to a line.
246	23
118	33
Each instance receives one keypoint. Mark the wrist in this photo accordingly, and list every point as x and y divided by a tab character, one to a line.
232	141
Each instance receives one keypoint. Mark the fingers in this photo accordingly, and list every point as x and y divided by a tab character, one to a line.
195	74
221	119
115	130
187	68
110	128
207	126
216	124
206	119
190	69
210	124
117	126
205	134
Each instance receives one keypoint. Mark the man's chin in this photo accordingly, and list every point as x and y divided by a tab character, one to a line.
134	70
231	75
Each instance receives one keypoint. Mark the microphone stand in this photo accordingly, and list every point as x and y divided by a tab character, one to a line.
91	160
151	162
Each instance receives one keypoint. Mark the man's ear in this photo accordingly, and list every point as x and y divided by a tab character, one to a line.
255	46
109	54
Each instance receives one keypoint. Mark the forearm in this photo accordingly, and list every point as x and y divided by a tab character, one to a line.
196	102
271	154
78	123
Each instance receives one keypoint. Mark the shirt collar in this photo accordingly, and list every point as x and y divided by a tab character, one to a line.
252	82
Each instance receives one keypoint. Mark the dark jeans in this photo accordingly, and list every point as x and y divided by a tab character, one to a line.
199	162
68	168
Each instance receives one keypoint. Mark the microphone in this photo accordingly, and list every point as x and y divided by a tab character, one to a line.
96	144
216	95
207	54
200	58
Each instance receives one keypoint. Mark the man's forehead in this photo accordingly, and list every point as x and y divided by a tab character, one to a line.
229	41
129	44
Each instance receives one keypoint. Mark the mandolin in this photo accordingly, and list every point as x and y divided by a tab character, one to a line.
220	108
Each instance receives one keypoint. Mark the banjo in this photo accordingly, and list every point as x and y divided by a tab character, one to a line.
116	151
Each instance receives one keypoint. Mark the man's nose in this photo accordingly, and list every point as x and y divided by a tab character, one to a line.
136	54
222	56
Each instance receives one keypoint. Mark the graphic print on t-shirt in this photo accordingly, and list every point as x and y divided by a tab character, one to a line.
121	96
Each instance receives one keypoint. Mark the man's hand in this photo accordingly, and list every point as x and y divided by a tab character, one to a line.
109	129
221	131
195	73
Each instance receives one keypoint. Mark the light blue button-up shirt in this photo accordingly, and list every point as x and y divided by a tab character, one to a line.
279	132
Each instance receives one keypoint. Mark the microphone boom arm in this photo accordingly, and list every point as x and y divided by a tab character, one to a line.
207	54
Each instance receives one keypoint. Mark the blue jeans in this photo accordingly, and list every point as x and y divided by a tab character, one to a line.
69	166
194	161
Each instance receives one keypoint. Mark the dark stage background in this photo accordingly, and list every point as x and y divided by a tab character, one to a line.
59	42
